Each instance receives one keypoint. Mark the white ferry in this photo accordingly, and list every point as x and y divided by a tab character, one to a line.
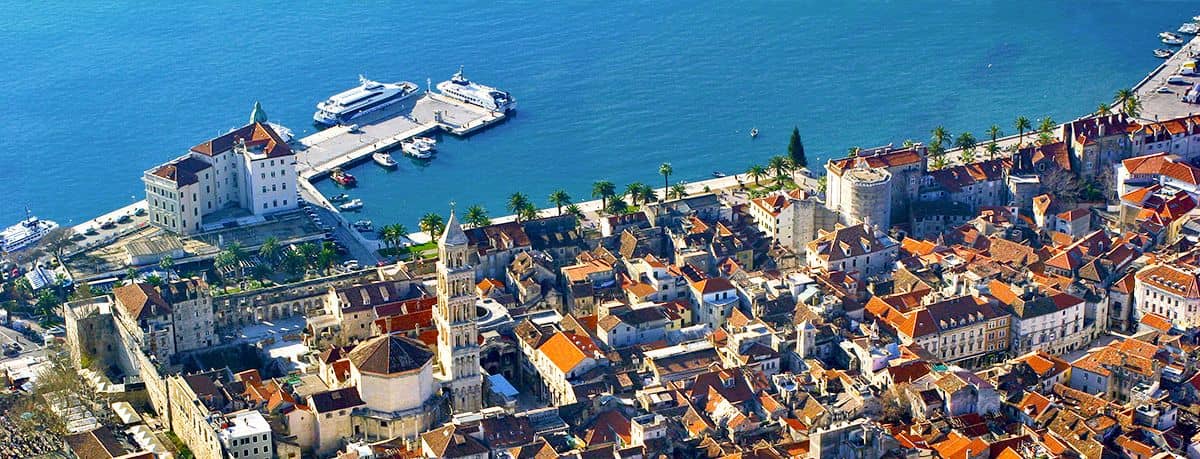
460	88
369	96
25	233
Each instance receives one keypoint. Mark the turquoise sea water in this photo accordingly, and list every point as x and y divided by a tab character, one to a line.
95	94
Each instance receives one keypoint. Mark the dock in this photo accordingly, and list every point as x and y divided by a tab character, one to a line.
339	146
1169	105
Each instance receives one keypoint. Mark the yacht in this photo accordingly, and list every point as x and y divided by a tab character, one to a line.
25	233
369	96
353	204
1163	53
383	159
1172	41
417	149
460	88
1167	35
1189	28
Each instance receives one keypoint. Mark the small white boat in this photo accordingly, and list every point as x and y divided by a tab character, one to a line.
353	204
1163	53
718	174
1167	35
340	198
1196	18
419	150
363	226
384	159
753	133
430	141
1189	28
1172	41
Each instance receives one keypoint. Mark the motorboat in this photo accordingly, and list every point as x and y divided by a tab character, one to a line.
416	149
363	226
353	204
342	177
1172	41
340	198
1163	53
383	159
1167	35
430	141
718	174
1189	28
753	132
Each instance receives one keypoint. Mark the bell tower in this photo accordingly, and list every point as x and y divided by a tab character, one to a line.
454	316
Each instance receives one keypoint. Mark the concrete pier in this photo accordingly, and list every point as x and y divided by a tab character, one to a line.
1168	105
340	146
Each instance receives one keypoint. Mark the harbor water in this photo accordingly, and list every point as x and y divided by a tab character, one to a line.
96	93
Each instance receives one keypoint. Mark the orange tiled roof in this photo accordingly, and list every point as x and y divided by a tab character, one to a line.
566	350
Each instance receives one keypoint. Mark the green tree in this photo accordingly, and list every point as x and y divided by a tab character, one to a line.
293	263
47	303
966	142
269	250
665	170
854	151
154	280
1046	126
616	206
994	132
131	274
822	183
634	191
433	224
908	143
778	164
573	209
756	172
992	149
796	149
476	216
308	252
1132	107
527	212
1104	109
604	190
940	135
326	257
939	162
678	191
166	263
390	235
1021	124
1122	96
559	198
516	202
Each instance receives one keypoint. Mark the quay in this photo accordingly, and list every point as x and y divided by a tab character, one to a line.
1168	105
339	146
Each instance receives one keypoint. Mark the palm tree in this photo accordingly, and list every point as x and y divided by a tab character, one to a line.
309	251
293	263
326	257
560	198
678	191
939	162
387	234
992	149
665	170
1022	123
756	172
233	255
573	209
1122	96
854	151
1132	107
648	194
966	141
994	132
527	212
603	189
908	143
940	135
166	263
433	224
1104	109
516	202
634	191
779	165
476	216
269	249
1047	125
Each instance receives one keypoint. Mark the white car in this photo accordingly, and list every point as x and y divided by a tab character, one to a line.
1163	90
350	264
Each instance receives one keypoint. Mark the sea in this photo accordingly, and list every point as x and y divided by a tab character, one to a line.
94	93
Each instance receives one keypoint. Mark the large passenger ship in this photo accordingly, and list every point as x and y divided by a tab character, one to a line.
25	233
369	96
460	88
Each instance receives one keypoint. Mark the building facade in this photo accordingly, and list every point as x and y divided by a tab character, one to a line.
454	316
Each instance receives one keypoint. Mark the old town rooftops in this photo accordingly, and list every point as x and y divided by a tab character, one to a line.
257	136
848	241
1164	164
390	354
141	300
880	157
1178	280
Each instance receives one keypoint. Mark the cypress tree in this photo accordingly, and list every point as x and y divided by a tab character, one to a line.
796	149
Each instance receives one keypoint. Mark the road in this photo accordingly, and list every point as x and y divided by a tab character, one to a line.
345	236
28	348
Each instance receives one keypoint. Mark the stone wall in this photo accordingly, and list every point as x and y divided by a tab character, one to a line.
296	299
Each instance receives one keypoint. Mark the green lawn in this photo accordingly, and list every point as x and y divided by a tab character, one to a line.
426	250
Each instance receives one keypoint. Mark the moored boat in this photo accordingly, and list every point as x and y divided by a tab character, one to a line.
353	204
25	233
459	87
340	198
342	177
367	97
1163	53
718	174
1172	41
363	225
383	159
1189	28
419	150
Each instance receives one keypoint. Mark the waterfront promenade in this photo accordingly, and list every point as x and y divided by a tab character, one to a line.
1167	105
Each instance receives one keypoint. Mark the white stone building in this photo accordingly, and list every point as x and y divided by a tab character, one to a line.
853	248
244	435
1169	290
713	301
251	168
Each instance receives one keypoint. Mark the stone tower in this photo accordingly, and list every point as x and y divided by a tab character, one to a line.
458	334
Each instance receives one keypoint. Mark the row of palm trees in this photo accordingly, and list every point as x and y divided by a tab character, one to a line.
780	165
273	257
